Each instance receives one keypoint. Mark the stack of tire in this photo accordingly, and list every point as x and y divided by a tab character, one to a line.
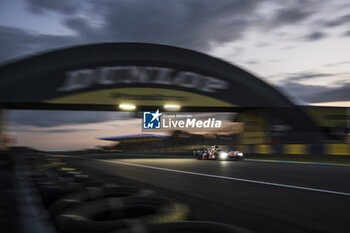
78	204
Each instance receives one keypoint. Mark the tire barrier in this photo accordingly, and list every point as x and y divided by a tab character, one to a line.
81	178
112	213
93	193
54	183
70	173
60	174
77	203
52	192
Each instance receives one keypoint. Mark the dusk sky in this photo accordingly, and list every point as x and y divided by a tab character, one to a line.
299	46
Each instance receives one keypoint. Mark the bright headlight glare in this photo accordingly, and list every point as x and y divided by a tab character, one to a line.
223	155
240	154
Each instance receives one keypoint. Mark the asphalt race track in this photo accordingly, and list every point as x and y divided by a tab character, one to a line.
259	196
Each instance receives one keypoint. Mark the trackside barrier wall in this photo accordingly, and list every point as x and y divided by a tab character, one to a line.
264	149
298	149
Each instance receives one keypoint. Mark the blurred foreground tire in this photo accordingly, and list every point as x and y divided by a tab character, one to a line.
93	193
109	214
52	191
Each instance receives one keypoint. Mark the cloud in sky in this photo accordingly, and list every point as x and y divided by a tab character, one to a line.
346	34
198	25
63	118
16	43
292	12
339	21
63	6
305	75
45	131
75	136
315	36
338	63
190	24
317	93
304	86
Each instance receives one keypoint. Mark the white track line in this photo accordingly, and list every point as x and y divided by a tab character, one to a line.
228	178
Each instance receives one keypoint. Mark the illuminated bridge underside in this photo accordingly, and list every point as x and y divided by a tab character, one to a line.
142	97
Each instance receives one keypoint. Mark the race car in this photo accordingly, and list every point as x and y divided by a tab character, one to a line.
216	153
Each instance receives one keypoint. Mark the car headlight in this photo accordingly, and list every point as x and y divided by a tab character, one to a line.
240	154
223	155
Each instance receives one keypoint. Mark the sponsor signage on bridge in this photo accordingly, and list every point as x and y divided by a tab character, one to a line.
112	76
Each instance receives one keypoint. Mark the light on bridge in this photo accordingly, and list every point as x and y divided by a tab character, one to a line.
127	106
172	107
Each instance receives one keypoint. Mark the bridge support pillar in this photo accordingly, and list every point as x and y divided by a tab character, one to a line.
255	126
